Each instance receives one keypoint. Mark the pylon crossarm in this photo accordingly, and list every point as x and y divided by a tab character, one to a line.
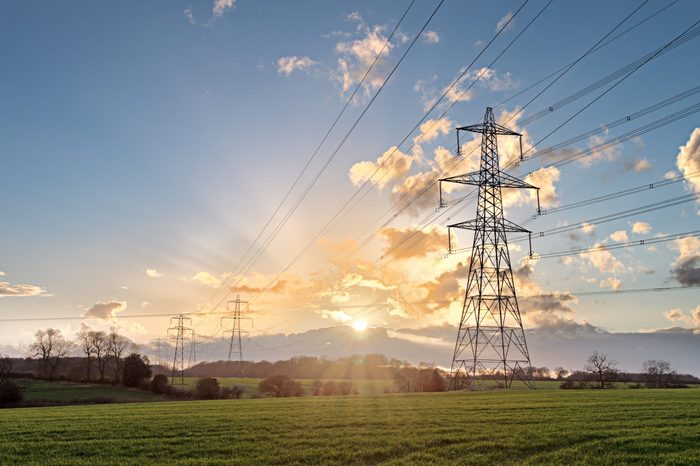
488	128
508	181
471	179
476	225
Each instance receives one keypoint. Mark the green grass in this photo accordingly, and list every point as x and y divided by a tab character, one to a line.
65	392
544	426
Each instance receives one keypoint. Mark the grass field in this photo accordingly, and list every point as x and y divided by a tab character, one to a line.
66	392
545	426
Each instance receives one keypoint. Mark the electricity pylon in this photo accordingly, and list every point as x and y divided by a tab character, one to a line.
182	334
235	348
490	341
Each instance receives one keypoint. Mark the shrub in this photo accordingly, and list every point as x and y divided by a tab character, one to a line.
135	370
236	392
329	389
280	386
208	388
10	392
567	385
159	384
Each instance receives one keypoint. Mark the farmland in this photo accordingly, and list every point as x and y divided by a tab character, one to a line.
544	426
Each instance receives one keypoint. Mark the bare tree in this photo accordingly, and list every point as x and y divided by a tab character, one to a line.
5	368
118	346
657	374
602	368
560	372
100	344
51	347
84	342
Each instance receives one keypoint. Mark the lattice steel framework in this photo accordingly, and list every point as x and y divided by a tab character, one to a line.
180	331
490	343
235	348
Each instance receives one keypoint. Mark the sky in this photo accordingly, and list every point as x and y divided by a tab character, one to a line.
144	145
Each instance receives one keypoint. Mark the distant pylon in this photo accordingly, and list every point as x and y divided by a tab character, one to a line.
182	334
159	358
235	347
490	340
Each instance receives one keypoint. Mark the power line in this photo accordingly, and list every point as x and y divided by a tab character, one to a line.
353	306
318	147
340	145
338	213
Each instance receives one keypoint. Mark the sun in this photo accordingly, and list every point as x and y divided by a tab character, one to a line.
359	325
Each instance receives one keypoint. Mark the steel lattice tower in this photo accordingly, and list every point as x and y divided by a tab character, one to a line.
490	341
182	334
235	347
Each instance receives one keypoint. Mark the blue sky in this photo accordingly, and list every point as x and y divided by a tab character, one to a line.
160	136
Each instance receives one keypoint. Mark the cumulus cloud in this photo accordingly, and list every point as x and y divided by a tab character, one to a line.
637	165
278	287
356	56
407	243
587	228
505	20
686	268
431	37
153	273
287	65
676	315
390	166
641	228
463	91
613	283
8	289
207	279
688	160
603	260
106	310
338	316
600	151
220	7
619	236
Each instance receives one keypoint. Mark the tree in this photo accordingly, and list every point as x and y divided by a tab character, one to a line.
100	344
84	343
10	392
159	384
135	369
657	374
560	373
208	388
280	386
5	368
117	346
51	347
602	369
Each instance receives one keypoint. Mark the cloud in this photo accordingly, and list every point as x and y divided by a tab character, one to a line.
611	282
278	287
505	20
603	260
8	289
153	273
338	316
641	228
533	300
671	175
106	309
220	7
677	315
355	279
431	37
357	56
207	279
484	78
391	165
287	65
421	242
688	160
686	268
608	153
587	228
637	165
619	236
145	304
190	16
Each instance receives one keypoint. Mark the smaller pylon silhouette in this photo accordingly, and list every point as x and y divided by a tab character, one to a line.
159	356
183	334
232	325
